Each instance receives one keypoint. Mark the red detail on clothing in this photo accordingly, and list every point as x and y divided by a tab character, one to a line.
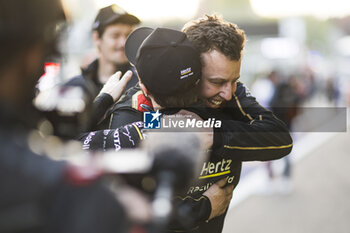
51	68
143	100
81	176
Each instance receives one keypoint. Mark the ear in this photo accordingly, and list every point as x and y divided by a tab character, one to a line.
96	38
143	88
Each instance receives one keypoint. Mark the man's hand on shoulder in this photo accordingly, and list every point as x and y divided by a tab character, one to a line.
220	196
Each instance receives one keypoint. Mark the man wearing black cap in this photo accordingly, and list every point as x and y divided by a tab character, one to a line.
111	27
169	53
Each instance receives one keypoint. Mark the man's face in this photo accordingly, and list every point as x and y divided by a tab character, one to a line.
219	78
111	43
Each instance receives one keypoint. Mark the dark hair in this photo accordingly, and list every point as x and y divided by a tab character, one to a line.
180	100
24	23
212	32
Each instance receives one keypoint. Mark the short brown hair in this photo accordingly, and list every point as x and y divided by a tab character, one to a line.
212	32
180	100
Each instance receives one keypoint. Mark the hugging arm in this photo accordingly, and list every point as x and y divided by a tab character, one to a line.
252	132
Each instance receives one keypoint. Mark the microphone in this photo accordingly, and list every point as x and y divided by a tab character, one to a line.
177	157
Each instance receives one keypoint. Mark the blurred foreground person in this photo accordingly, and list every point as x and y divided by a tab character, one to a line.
38	194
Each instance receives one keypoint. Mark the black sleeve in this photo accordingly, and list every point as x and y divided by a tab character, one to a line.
254	134
99	109
128	136
124	116
189	212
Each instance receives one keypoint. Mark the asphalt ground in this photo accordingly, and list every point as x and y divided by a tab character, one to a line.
318	202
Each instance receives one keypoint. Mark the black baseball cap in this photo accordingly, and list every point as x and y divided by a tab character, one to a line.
165	60
113	14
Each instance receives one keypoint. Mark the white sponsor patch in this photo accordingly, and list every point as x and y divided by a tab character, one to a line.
186	73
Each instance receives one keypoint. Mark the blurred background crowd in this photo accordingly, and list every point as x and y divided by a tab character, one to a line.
304	43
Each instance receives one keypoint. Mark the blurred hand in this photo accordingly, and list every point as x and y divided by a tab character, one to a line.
116	85
220	197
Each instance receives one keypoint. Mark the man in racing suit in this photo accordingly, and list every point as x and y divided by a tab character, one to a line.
255	134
